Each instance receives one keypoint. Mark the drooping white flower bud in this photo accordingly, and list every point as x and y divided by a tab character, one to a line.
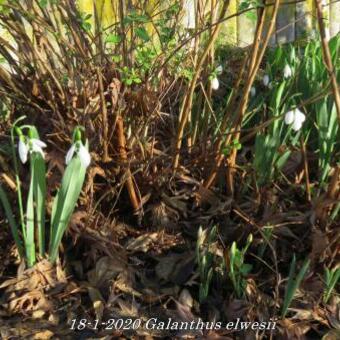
266	80
81	150
296	118
33	145
297	125
37	146
23	151
289	117
70	154
84	155
287	71
219	69
215	84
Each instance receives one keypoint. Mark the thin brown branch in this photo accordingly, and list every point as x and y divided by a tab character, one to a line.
123	155
184	114
254	64
327	57
103	108
306	169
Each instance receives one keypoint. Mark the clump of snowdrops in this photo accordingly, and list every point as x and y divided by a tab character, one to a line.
32	236
295	111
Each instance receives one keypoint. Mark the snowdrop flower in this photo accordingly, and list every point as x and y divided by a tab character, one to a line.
296	118
253	91
219	69
287	71
80	149
266	80
289	117
32	145
215	84
37	146
23	151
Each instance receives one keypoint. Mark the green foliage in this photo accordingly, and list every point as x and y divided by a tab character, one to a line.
133	17
238	269
293	283
44	3
38	174
83	19
332	277
113	39
144	51
33	235
4	110
145	57
205	260
142	33
130	76
65	202
11	220
274	143
267	234
235	144
209	264
248	4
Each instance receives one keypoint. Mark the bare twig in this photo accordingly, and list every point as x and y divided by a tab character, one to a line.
327	57
189	96
254	66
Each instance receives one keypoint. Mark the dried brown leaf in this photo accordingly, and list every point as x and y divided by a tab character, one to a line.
142	243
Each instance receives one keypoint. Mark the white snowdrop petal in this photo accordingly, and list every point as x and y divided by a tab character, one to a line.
266	80
289	117
253	91
42	153
215	84
84	155
70	154
287	71
23	151
38	149
299	116
219	69
296	125
38	142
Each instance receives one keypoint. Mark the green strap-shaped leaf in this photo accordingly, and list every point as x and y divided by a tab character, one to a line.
64	203
293	283
39	198
30	246
12	223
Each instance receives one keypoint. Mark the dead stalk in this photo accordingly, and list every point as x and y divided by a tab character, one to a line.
255	62
331	197
333	187
123	155
122	30
306	169
327	57
207	107
103	108
244	101
186	108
